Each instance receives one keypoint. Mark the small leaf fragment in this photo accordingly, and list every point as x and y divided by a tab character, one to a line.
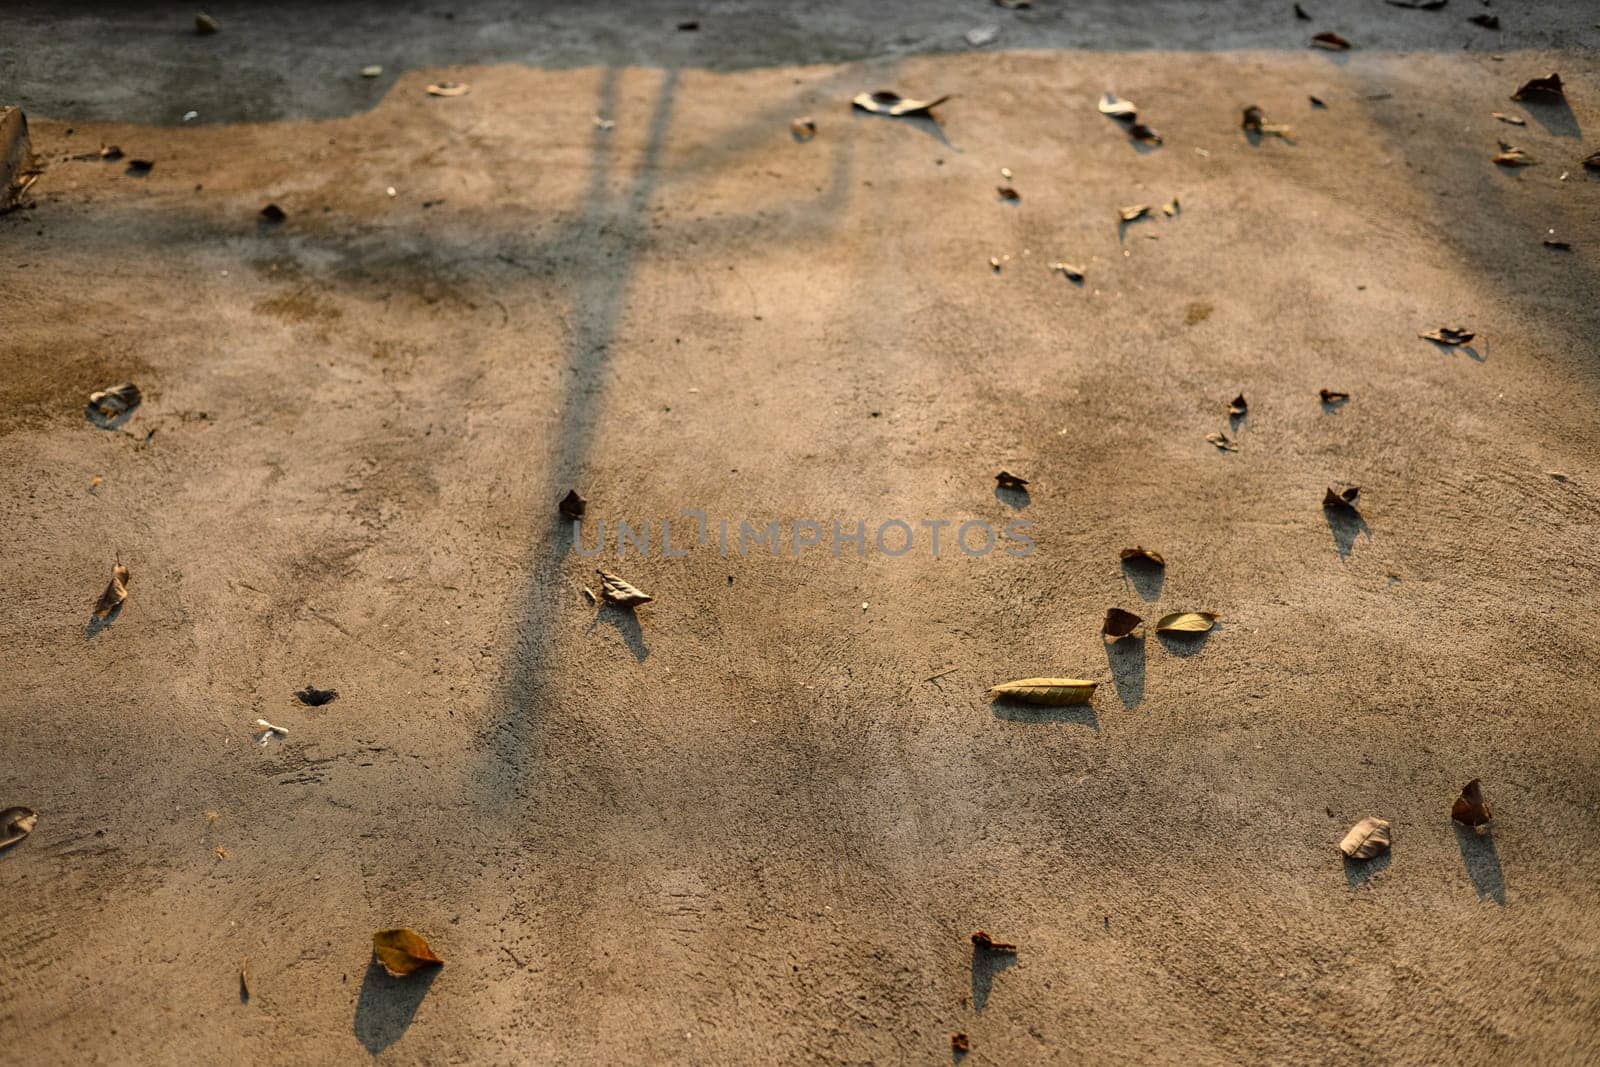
960	1043
1186	622
1006	192
15	825
803	128
1332	396
618	592
312	697
1366	839
1346	497
371	71
1170	209
449	89
984	943
1514	120
1469	808
1330	41
116	592
572	505
109	405
1053	692
110	153
1122	110
1255	121
1133	212
1545	90
1448	335
1007	480
1223	441
888	102
1142	555
1238	406
1512	156
403	951
1072	271
1120	624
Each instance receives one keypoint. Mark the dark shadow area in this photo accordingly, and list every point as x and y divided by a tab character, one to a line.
1346	525
1555	115
387	1005
1146	578
1470	351
1236	422
1013	498
1482	861
1034	714
985	965
927	125
1360	872
626	622
1332	407
98	624
1126	658
1184	644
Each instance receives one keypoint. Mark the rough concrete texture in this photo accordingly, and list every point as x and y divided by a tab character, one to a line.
758	821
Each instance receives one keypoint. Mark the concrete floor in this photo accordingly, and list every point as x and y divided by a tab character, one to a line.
757	820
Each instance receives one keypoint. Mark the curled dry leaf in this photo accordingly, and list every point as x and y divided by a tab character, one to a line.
1141	555
15	825
1238	406
116	592
1171	208
274	213
1545	90
1007	480
1332	396
572	505
1469	808
449	89
1053	692
960	1043
1006	192
1512	119
984	943
1592	161
1122	110
1186	622
312	697
618	592
268	732
1512	156
1331	41
109	405
1071	270
1223	441
1133	211
1120	624
1448	335
1346	497
1366	839
110	153
803	128
1255	121
403	951
888	102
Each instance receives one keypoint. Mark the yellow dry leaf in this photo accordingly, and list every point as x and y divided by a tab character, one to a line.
1055	692
1366	839
403	951
1186	622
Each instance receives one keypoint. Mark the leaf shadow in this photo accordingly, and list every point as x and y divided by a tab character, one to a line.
96	624
1126	659
1470	351
387	1005
1346	525
1482	861
1183	644
985	965
1332	407
926	123
1013	498
626	621
1146	577
1035	714
1358	873
1555	115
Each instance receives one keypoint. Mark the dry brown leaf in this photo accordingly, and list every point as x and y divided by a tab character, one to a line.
1332	396
1512	119
618	592
888	102
1120	624
803	128
1071	270
1511	156
1054	692
1007	480
1122	110
1255	121
1366	839
1238	406
1469	808
1341	498
1448	335
1186	622
1133	211
403	951
1140	554
1223	441
222	853
1546	89
984	943
449	89
572	505
1170	208
115	593
15	825
109	405
110	153
1331	41
960	1042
